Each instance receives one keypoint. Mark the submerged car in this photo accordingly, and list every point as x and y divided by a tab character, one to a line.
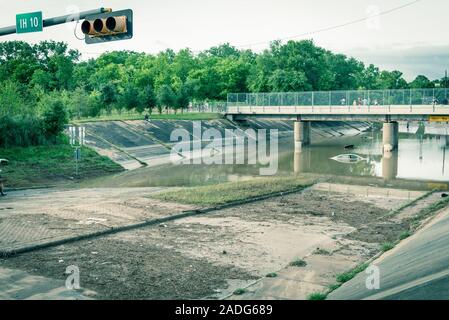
348	158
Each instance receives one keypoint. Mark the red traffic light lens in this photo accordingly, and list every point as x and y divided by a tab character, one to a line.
85	27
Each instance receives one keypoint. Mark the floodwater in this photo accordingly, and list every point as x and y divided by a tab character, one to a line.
420	157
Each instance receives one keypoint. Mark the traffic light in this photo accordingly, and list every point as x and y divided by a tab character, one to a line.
109	26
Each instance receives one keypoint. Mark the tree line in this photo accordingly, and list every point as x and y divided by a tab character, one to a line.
35	80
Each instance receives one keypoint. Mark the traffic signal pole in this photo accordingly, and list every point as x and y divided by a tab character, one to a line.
58	20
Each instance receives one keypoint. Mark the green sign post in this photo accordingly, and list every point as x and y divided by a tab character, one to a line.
29	22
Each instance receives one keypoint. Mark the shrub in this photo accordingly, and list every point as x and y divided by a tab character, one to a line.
317	296
21	131
298	263
55	118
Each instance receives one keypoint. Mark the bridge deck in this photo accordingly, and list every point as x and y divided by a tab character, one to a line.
338	112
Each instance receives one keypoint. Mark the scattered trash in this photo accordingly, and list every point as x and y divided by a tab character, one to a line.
94	252
225	252
349	147
60	261
90	221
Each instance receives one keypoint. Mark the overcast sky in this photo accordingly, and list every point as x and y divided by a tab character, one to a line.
414	39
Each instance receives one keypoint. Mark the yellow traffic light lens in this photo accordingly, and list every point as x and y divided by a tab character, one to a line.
98	25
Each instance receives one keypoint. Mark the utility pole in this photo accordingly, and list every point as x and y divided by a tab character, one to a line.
445	79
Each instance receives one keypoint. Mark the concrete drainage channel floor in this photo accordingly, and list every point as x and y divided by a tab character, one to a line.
33	218
207	256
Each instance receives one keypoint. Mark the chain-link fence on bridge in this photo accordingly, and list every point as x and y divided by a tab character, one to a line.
344	98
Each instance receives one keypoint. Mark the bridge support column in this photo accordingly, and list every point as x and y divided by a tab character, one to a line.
390	165
301	160
302	134
390	136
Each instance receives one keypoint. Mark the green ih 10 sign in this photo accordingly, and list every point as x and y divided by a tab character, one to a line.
29	22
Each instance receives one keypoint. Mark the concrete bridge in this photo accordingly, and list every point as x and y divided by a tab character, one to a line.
387	106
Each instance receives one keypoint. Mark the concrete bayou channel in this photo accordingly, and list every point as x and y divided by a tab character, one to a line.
210	256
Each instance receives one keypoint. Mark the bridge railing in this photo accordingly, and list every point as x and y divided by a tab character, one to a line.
343	98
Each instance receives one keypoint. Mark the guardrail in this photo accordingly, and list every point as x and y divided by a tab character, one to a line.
431	109
342	98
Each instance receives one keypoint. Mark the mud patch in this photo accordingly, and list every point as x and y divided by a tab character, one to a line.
118	269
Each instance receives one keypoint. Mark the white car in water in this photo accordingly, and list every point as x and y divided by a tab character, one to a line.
349	158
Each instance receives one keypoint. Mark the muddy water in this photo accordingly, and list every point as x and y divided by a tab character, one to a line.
421	157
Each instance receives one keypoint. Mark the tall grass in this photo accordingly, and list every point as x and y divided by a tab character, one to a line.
21	131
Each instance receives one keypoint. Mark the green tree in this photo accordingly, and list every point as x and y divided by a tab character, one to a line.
55	118
392	80
421	82
147	98
13	99
108	96
129	98
166	97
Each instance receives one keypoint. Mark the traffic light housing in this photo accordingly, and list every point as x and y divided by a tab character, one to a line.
109	26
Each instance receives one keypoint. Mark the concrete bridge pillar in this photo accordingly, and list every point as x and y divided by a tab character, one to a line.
301	160
390	165
302	134
390	136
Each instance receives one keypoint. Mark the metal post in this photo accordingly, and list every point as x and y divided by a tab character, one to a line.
76	159
57	20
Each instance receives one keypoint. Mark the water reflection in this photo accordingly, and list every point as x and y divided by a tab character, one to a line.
390	162
419	157
302	158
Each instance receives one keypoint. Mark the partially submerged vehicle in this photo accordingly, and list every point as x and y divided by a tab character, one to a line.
349	158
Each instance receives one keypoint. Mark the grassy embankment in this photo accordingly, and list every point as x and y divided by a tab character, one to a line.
178	116
234	191
51	164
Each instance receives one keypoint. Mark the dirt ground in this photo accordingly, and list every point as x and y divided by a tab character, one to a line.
210	256
41	216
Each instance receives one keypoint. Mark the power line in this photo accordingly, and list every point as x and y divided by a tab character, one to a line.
336	26
309	33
